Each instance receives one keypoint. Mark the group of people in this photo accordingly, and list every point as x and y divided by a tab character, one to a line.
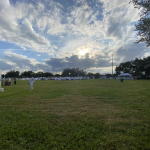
63	78
7	81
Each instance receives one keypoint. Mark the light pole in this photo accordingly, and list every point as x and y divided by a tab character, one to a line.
112	64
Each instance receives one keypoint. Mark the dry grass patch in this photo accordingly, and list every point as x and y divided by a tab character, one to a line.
75	104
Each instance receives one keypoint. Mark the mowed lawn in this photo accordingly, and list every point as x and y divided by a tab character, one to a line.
83	114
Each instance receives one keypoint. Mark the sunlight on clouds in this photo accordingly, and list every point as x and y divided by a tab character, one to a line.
83	52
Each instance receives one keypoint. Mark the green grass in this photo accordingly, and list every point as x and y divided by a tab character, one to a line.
86	114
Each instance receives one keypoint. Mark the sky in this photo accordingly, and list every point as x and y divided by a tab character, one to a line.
52	35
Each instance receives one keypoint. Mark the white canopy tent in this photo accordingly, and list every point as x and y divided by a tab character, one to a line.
124	75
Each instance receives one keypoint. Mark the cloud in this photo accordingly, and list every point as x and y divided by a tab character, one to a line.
51	19
6	65
130	51
103	35
17	27
117	18
85	62
13	61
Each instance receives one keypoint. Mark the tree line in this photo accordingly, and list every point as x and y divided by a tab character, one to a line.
74	72
136	67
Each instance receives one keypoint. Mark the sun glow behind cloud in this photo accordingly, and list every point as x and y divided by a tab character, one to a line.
83	52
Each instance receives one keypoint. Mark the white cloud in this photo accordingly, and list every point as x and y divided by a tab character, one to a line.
17	27
13	61
50	19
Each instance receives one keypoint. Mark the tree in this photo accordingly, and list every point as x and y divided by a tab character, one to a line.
108	75
57	75
136	67
40	74
124	67
27	74
2	76
90	75
48	74
11	74
147	65
74	72
97	75
33	74
147	69
143	26
68	72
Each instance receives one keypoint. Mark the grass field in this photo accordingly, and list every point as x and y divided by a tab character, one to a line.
73	115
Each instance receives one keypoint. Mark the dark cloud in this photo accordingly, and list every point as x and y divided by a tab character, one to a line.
58	64
130	51
6	65
115	28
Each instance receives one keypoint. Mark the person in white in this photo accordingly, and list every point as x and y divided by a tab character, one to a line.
31	82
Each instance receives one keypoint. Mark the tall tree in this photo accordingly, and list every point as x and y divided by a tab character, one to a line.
40	74
90	74
57	75
108	75
136	67
48	74
147	65
97	75
27	74
143	26
74	72
12	74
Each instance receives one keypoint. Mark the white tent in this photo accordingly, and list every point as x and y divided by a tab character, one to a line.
125	74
